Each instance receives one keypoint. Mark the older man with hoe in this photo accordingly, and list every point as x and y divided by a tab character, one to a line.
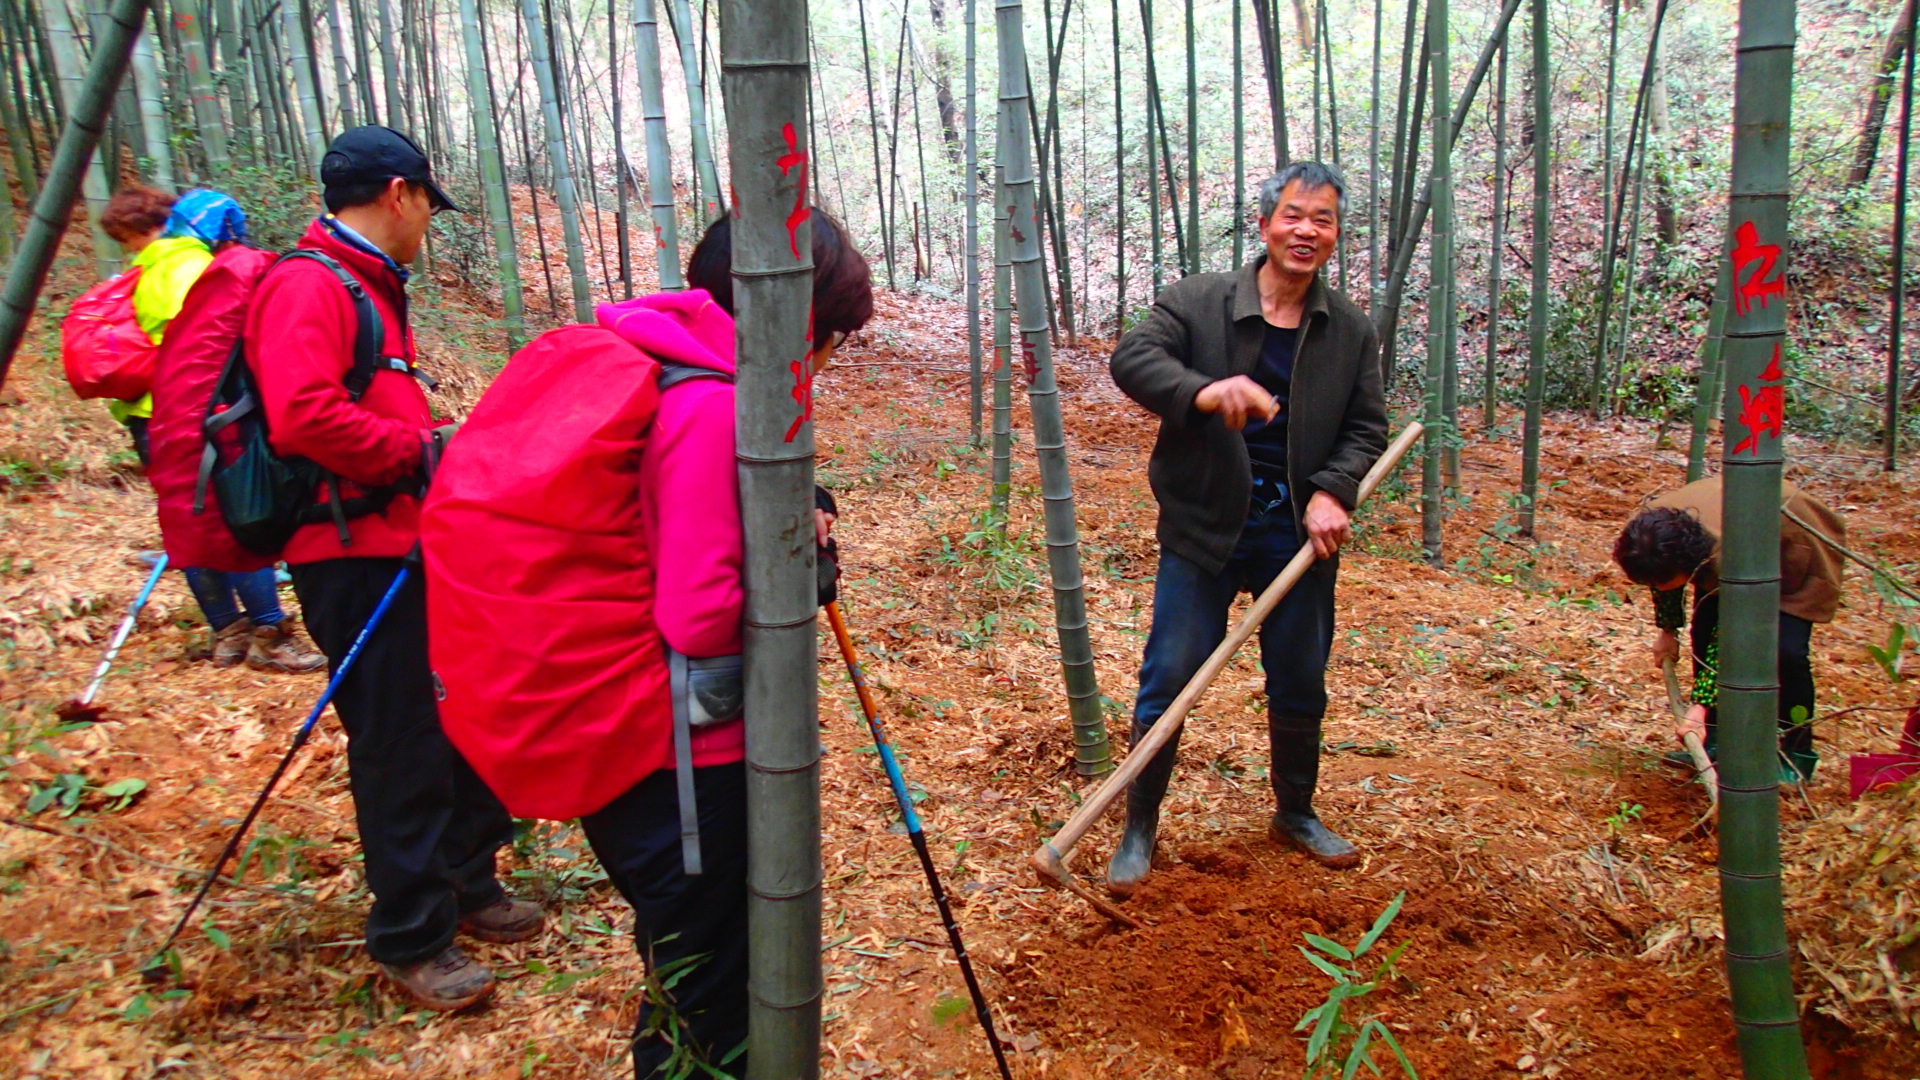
1268	387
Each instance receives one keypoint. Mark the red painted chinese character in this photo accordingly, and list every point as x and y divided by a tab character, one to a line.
1762	411
1747	250
802	384
1032	358
659	238
794	156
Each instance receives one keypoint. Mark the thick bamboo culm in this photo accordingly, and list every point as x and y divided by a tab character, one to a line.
1766	1016
1053	856
1537	312
763	51
653	114
493	175
563	191
1091	756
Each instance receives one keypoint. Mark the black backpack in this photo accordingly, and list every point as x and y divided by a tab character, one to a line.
265	497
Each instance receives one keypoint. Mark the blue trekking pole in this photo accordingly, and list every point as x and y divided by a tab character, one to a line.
156	967
82	706
919	838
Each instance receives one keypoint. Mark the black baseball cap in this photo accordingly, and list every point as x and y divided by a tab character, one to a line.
372	154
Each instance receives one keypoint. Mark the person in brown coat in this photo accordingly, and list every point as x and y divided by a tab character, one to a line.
1675	542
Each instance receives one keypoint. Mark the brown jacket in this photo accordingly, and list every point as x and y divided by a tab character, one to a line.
1208	327
1809	569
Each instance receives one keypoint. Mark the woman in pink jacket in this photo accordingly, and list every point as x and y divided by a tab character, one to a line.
583	674
690	503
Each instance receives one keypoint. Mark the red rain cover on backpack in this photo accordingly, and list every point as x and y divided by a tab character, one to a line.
191	357
539	583
104	351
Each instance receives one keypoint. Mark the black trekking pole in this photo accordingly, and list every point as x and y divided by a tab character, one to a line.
157	966
919	838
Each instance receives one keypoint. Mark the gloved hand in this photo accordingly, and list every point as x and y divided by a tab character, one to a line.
432	448
827	572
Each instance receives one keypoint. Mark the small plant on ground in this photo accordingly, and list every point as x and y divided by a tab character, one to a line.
1336	1046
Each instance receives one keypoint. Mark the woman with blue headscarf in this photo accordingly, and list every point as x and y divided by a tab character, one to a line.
243	610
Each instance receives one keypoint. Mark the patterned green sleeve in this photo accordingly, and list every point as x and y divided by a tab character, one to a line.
1670	608
1706	672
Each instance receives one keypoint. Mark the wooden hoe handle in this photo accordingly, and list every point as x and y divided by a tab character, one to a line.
1051	859
1702	764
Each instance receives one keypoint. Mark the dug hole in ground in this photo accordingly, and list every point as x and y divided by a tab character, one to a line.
1492	748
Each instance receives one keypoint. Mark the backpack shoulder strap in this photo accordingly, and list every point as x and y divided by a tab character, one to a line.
369	339
673	374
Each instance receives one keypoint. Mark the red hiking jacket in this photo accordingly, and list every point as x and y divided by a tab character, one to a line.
299	341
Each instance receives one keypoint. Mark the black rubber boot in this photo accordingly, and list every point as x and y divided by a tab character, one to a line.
1133	859
1296	772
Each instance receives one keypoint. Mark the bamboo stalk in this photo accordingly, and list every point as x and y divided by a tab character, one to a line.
1440	430
67	58
975	373
873	131
763	51
1490	380
713	201
1120	182
1759	972
493	175
1898	301
1092	756
1002	487
1537	302
153	112
86	115
653	112
557	157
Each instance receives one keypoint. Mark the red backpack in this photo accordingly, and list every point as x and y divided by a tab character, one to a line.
104	351
553	679
227	501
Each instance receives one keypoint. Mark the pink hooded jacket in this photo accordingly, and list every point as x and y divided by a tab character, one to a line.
689	491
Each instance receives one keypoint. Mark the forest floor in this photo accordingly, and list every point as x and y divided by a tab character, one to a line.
1492	747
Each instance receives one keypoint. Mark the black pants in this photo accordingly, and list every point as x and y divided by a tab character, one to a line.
689	929
1796	677
137	429
428	825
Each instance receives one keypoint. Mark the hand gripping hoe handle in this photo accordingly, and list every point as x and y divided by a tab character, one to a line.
1702	764
1050	861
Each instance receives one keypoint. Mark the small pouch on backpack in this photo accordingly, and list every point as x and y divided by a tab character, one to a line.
707	692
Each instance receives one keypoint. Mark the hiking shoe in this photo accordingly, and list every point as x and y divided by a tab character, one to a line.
1306	832
445	983
230	643
278	647
504	921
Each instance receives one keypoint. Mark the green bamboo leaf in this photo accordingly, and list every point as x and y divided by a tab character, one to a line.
1323	964
41	798
1359	1052
216	935
1387	1037
1380	925
1328	946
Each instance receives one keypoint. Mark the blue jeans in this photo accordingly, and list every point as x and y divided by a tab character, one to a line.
216	590
1190	609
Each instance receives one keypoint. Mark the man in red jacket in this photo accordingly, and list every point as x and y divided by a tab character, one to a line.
428	826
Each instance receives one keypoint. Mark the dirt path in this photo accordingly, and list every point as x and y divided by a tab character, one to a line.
1492	748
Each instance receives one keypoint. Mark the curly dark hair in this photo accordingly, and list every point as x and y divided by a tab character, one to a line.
1660	544
135	210
842	281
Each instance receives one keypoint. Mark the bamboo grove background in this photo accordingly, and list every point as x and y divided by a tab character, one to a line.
1144	152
